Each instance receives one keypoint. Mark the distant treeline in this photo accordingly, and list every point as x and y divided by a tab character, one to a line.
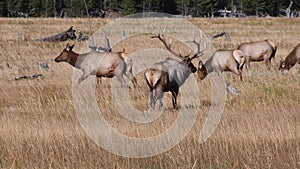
103	8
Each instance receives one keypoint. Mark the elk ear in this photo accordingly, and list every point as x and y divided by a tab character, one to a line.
188	60
71	47
281	64
200	64
67	46
70	29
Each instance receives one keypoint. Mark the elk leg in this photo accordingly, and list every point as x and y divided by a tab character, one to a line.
273	62
237	72
241	77
98	80
174	97
159	96
247	60
131	77
152	100
241	66
134	82
121	80
268	63
82	78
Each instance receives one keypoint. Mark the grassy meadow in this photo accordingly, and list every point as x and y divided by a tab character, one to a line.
39	126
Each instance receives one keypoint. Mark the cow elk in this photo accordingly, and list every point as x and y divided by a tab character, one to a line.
170	75
100	64
291	59
128	60
222	60
259	51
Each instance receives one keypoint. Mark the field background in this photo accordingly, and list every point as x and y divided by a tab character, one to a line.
39	127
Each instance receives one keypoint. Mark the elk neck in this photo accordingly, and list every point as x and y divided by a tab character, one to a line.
73	59
208	66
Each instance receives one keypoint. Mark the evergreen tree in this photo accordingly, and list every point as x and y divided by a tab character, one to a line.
128	7
3	8
170	7
256	7
206	8
76	8
36	7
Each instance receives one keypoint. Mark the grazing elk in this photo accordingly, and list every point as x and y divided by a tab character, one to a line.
222	60
258	51
128	60
170	75
291	59
101	64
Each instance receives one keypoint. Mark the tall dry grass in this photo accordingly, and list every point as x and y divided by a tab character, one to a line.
39	127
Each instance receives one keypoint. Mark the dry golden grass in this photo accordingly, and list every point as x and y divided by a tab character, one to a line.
39	127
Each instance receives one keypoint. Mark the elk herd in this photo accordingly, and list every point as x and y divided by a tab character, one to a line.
169	74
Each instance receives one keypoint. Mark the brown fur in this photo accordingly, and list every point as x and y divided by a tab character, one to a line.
291	59
171	75
168	78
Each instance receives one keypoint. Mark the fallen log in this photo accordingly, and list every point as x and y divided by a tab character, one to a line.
34	76
69	34
227	37
82	37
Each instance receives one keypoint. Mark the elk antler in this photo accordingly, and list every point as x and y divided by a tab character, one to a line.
161	37
199	51
107	47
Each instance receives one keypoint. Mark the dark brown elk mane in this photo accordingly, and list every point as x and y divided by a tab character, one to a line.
73	57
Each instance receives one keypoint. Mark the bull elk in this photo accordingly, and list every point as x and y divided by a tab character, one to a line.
291	59
170	75
259	51
222	60
100	64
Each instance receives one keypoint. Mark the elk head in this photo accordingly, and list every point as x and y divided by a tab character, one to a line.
282	66
202	71
188	62
64	55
